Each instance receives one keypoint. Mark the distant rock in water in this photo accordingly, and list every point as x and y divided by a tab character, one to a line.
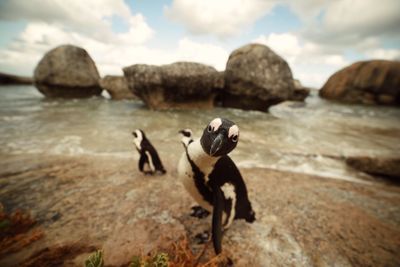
177	85
69	72
367	82
388	167
117	87
300	92
14	79
256	78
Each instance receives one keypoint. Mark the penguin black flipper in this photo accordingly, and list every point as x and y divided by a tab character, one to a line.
156	160
226	172
218	208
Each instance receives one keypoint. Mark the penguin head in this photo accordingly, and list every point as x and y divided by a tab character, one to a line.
187	137
219	137
138	136
186	133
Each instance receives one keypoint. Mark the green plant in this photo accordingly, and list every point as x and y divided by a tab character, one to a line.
95	260
158	260
136	262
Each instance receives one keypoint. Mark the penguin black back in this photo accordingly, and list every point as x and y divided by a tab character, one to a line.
149	157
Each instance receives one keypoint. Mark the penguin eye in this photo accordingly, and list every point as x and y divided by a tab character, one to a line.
135	135
235	138
209	129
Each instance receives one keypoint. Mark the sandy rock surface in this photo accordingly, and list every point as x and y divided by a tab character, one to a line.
88	202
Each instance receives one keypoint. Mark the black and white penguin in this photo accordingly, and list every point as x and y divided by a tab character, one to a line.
149	162
187	137
212	178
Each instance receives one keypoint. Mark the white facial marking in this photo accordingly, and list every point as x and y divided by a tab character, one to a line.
234	130
215	124
137	140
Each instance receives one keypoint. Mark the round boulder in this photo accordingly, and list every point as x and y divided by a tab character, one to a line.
67	71
256	78
177	85
117	87
366	82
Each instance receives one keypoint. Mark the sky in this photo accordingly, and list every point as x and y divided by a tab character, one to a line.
316	37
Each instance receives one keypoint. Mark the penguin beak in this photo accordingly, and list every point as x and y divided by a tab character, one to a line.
217	144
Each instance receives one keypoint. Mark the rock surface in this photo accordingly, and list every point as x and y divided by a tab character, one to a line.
103	202
177	85
367	82
117	87
67	71
389	167
14	79
256	78
300	92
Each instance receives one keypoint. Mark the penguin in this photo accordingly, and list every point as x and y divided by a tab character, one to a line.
187	137
148	154
213	180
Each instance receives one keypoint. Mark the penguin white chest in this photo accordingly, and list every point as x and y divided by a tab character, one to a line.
187	175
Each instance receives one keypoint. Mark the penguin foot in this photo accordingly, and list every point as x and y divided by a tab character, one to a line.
228	262
202	238
199	212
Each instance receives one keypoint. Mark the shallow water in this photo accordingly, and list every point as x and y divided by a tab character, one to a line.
306	138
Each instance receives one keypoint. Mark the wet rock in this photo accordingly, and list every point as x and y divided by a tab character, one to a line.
177	85
14	79
57	255
256	78
106	204
367	82
300	92
68	72
389	167
117	87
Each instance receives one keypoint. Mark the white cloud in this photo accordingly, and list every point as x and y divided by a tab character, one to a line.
90	17
357	24
365	17
380	53
139	32
208	54
110	56
223	18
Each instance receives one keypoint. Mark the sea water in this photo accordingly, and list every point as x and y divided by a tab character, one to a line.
311	137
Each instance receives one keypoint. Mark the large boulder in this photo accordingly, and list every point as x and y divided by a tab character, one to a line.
177	85
381	166
14	79
256	78
67	71
117	87
367	82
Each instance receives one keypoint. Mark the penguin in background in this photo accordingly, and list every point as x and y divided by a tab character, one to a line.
213	180
149	161
187	137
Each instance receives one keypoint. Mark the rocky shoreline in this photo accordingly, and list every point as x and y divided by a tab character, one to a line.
9	79
255	78
91	202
